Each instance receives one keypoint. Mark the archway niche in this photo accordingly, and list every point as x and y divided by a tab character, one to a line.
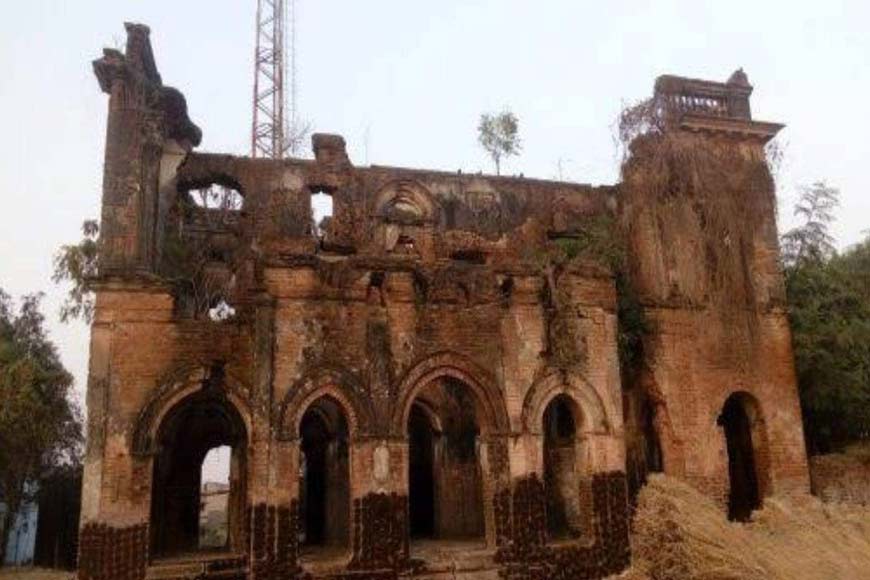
741	424
324	489
445	481
562	468
201	423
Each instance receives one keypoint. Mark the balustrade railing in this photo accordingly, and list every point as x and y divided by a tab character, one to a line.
679	96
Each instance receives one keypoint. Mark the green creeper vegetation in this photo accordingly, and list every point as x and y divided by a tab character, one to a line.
600	241
40	426
829	309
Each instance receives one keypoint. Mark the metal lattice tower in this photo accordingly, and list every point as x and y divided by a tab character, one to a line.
268	130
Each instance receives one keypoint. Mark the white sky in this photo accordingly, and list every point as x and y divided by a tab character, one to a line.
216	465
416	76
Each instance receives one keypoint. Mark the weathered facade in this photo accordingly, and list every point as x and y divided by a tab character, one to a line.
429	380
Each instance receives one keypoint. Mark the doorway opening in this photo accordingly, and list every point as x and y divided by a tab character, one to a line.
325	483
445	478
204	422
744	496
562	469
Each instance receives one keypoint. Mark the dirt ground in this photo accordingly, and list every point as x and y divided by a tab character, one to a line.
680	534
33	574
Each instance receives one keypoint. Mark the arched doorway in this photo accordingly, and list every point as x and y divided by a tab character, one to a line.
325	476
445	477
562	469
744	495
201	423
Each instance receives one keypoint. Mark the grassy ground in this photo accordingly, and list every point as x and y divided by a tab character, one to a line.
33	574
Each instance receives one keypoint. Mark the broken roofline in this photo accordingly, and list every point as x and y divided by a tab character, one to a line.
698	105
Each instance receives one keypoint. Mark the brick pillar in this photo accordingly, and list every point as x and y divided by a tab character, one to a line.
379	516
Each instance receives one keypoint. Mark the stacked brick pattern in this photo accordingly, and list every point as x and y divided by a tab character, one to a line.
524	552
108	553
380	532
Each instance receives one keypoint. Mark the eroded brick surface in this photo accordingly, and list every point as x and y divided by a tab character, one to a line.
470	302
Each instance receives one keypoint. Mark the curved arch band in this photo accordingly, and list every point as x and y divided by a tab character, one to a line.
449	364
595	417
341	385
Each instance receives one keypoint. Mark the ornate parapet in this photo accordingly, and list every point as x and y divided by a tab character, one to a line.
699	105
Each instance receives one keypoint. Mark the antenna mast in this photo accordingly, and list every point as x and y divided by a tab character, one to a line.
268	137
293	95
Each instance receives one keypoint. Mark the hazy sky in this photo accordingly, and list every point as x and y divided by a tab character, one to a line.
415	76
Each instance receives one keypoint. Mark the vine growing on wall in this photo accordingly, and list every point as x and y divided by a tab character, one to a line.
201	252
728	191
598	242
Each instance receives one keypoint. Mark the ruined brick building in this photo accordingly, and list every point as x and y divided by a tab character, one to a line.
442	376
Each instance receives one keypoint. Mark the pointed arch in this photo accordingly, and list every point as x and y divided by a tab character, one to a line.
544	390
494	417
192	424
338	383
182	382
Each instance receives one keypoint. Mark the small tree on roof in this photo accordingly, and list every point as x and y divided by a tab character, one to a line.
499	136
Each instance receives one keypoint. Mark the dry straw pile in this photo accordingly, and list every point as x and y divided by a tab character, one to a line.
843	476
679	534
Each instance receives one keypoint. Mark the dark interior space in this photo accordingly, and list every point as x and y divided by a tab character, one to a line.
422	437
743	477
325	485
652	447
445	479
642	443
561	479
57	528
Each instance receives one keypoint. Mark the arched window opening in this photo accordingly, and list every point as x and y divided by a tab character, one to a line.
180	502
744	496
445	476
214	499
325	482
561	469
217	197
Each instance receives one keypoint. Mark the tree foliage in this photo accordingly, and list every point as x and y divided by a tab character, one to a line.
78	265
811	241
190	254
829	310
499	136
40	426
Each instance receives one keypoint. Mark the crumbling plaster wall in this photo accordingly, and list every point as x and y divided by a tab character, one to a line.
714	330
419	276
